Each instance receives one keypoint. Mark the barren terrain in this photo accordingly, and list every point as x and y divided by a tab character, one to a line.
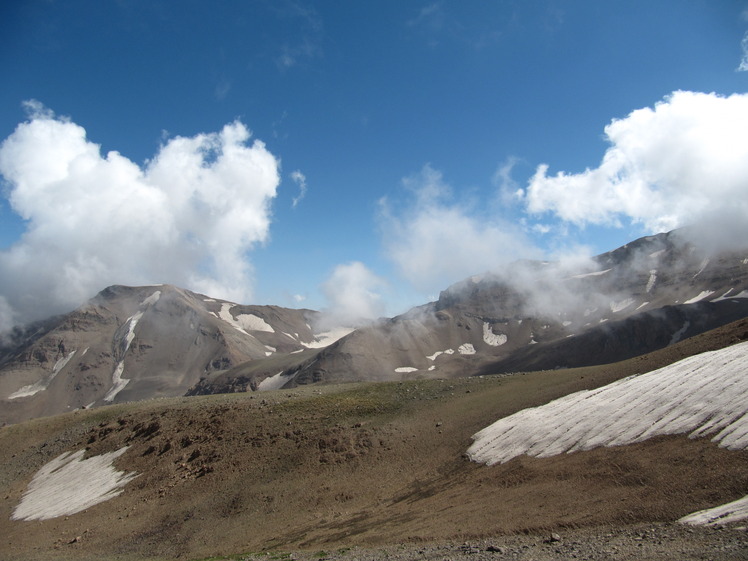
364	471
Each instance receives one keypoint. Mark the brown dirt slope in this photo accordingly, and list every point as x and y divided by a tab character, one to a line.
355	465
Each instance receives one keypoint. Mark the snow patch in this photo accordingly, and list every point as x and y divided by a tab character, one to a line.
44	383
244	322
70	484
118	382
703	294
432	367
621	305
433	356
724	514
275	382
640	306
466	349
594	274
743	294
152	299
701	395
652	280
405	369
328	337
491	338
657	253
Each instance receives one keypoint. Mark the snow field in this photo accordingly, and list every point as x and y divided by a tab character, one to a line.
724	514
70	484
701	395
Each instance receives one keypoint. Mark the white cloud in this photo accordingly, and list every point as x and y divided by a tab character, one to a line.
743	66
683	161
300	180
353	293
436	241
188	217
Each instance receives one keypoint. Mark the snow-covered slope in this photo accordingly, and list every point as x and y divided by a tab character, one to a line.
705	395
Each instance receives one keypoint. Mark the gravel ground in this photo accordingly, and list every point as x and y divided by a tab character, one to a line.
641	542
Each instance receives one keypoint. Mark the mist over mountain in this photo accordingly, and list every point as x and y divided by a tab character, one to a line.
135	343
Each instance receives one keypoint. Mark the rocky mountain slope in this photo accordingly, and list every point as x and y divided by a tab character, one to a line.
644	296
129	344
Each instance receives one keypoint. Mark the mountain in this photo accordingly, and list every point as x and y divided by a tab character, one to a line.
129	344
534	315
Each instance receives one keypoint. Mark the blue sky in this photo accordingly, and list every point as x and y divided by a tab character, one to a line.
396	127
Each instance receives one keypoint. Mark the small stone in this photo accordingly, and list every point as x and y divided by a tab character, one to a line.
554	538
494	549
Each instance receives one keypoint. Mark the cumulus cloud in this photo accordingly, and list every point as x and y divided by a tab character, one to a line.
188	216
300	180
354	296
681	162
435	240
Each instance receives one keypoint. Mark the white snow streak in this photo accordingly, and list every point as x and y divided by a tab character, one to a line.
466	349
616	307
701	395
703	294
491	338
44	383
703	266
70	484
652	280
743	294
118	382
405	369
724	514
595	274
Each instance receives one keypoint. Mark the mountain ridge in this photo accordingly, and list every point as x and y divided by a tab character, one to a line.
133	343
